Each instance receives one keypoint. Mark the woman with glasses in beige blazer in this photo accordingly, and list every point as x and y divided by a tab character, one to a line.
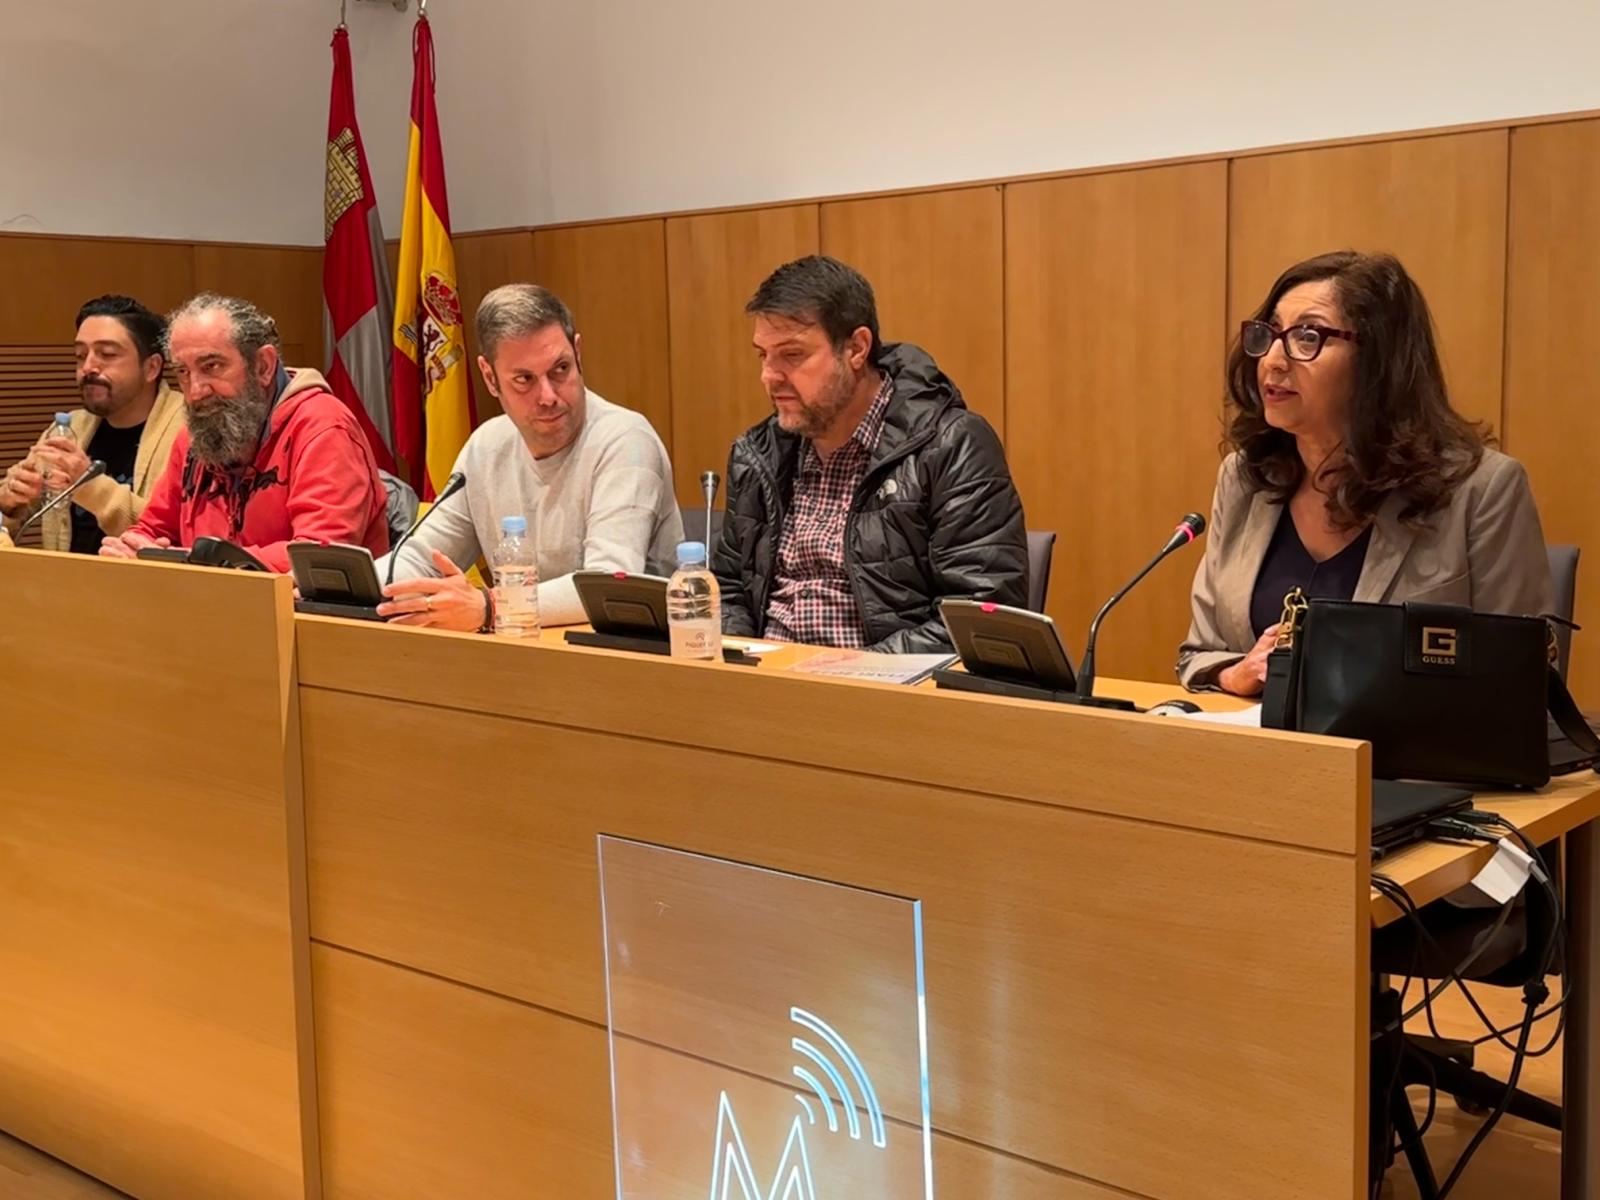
1351	476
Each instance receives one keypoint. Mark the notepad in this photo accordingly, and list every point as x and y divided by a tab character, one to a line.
1249	718
874	667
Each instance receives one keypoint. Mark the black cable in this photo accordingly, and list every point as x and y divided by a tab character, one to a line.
1400	1145
1535	993
1478	947
1558	1009
1557	936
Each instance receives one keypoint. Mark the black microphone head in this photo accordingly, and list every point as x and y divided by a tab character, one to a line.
457	481
1192	525
96	469
710	481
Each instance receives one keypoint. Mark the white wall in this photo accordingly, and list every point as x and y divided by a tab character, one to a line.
208	120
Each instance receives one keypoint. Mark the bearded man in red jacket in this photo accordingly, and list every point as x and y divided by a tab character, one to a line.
270	455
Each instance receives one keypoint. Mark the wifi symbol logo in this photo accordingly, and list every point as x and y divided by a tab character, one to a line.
863	1097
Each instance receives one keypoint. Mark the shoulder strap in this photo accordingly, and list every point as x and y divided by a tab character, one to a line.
1565	711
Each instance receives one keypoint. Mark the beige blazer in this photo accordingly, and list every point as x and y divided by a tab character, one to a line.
116	505
1484	550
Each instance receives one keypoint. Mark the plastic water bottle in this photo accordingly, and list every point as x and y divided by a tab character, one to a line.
694	606
516	581
61	429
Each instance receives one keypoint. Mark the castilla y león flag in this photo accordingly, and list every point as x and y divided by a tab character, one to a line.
432	384
357	297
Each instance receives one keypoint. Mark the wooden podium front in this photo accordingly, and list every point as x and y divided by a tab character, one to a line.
153	967
1146	940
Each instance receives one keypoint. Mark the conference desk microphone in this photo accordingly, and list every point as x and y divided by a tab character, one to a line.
1191	527
710	481
454	484
94	471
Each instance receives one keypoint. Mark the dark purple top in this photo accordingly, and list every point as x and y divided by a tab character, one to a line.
1289	565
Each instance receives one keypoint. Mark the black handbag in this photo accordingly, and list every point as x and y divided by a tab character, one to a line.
1442	692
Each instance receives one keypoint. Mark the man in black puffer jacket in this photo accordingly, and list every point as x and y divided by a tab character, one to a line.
871	493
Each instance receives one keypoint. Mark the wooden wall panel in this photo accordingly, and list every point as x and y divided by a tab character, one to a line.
35	382
284	282
1439	203
1114	299
1552	420
714	264
51	277
614	278
935	260
483	262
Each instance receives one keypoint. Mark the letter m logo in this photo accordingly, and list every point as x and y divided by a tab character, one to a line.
732	1164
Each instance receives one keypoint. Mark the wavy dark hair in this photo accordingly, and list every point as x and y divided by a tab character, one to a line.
1403	436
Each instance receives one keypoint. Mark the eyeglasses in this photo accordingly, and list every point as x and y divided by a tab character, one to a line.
1300	342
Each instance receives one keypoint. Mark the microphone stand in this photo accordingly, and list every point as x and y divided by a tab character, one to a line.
709	482
95	470
454	484
1191	527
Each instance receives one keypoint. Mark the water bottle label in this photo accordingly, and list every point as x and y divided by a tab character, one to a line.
695	639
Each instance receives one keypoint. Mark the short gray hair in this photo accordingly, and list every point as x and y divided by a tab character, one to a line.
516	310
252	328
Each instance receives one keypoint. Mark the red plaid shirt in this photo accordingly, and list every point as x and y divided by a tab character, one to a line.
812	601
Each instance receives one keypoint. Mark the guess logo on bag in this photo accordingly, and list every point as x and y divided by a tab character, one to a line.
1439	646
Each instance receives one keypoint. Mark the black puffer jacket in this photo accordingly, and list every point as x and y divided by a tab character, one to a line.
936	515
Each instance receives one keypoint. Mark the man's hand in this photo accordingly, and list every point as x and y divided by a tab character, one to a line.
129	545
68	460
20	490
450	602
1249	675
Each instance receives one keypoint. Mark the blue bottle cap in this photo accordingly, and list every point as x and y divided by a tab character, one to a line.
691	552
514	525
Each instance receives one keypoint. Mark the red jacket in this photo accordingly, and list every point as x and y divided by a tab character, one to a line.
313	479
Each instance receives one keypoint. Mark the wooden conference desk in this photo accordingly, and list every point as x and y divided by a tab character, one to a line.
1147	941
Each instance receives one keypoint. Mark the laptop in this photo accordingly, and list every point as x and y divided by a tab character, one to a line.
1401	811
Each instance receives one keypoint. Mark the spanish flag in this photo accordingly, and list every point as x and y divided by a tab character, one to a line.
432	381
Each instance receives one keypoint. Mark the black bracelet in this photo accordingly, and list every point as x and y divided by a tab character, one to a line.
488	611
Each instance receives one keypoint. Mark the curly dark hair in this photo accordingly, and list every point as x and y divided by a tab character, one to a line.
1403	437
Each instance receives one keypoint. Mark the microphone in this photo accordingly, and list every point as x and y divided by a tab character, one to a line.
1191	527
95	470
454	484
710	481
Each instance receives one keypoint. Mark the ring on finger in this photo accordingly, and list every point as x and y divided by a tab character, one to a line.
428	603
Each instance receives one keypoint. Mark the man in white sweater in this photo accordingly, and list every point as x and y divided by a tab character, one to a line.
592	478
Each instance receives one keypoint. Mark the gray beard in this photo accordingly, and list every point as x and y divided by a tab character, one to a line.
228	433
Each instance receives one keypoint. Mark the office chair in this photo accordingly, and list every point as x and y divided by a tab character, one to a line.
1564	578
1513	958
1041	548
400	506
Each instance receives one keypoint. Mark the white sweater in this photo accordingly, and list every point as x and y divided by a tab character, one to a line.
605	503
